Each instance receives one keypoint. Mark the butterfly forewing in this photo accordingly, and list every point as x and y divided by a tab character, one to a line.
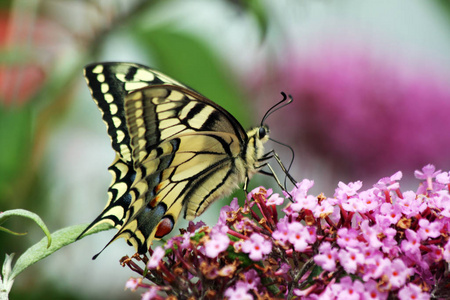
109	83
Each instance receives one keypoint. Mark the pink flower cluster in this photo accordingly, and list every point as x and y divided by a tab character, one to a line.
378	243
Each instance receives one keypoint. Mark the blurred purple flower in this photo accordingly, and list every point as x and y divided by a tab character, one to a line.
366	112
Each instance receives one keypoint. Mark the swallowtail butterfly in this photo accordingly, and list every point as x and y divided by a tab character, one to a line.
176	151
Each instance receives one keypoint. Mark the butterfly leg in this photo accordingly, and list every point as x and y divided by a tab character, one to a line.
273	175
246	182
273	154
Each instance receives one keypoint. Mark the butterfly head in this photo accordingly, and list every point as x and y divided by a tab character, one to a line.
258	135
263	132
254	149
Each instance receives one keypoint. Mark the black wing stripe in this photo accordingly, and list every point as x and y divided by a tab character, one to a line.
198	107
212	119
213	190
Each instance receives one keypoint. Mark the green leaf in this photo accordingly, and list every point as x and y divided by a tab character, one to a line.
12	232
242	257
27	214
59	238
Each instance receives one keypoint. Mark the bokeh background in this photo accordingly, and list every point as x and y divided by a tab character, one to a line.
370	82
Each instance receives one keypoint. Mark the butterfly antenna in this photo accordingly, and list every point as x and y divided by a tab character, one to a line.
277	106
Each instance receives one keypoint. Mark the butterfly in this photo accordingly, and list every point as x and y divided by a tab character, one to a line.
176	151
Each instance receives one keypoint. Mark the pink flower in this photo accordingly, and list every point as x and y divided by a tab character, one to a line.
350	259
234	206
427	174
309	202
371	234
157	255
258	190
411	205
411	245
429	171
192	227
347	190
218	243
282	231
186	240
391	212
372	292
252	279
390	245
428	229
284	268
347	237
389	183
412	291
275	199
375	265
301	188
443	178
133	283
298	236
435	254
257	246
350	290
323	209
369	200
353	204
151	293
397	273
239	292
327	257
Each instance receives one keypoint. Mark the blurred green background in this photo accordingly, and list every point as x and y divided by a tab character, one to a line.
380	61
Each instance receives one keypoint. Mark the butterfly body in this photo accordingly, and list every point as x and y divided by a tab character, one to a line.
176	151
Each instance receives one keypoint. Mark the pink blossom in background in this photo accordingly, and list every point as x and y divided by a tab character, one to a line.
363	112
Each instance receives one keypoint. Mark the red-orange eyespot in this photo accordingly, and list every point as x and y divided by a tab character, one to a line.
164	227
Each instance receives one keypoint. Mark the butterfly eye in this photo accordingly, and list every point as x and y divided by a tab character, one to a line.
262	132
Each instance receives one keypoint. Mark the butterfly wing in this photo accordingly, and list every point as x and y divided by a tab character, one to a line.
109	83
186	153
